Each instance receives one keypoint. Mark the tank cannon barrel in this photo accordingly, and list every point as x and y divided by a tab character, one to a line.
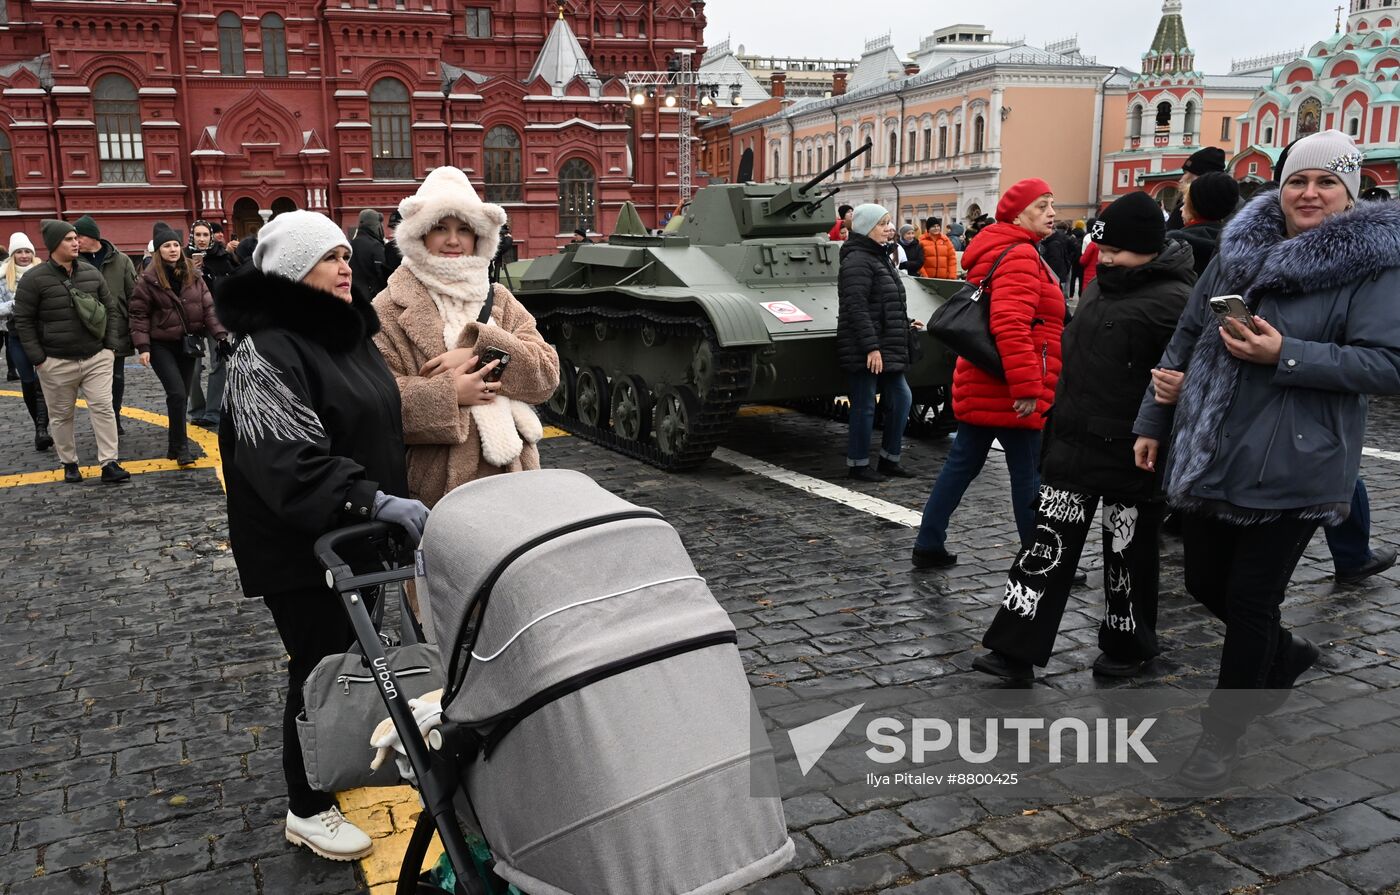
837	166
799	195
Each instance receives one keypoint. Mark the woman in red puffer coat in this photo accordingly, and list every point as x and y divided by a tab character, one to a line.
1027	317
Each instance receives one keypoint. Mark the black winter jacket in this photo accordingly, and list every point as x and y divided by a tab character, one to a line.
368	276
312	426
1123	324
873	314
47	322
218	265
914	255
1203	239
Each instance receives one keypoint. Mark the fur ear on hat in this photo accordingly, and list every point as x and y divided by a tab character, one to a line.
446	192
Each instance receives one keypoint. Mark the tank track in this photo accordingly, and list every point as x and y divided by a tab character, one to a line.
729	382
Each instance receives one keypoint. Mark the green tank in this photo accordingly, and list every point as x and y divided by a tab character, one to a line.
661	339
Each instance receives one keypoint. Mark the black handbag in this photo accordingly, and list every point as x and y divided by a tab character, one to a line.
963	323
191	345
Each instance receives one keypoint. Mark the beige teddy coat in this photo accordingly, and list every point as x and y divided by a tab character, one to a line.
443	450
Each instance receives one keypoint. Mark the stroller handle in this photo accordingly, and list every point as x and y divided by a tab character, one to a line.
328	544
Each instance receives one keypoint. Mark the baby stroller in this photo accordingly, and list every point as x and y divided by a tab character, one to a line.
598	730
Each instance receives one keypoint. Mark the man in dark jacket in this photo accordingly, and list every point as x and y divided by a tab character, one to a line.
120	275
54	307
392	256
1058	251
1201	163
367	275
215	264
1209	202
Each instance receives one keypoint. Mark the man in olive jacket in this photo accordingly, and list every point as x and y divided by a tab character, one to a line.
65	354
120	274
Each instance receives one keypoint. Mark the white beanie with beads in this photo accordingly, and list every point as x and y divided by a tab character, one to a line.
1326	151
292	243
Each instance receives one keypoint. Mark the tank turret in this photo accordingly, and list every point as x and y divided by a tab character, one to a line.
663	337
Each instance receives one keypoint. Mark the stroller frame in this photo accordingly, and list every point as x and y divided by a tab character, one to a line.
438	778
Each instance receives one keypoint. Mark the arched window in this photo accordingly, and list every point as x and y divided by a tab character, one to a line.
391	135
820	164
810	169
1164	116
118	115
869	152
1354	126
230	43
502	165
620	28
893	158
274	46
979	134
776	159
848	147
576	196
1135	121
9	200
1188	126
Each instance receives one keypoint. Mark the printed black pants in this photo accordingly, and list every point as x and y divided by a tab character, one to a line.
1037	589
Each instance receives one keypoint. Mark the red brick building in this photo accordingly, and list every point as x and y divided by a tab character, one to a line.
135	111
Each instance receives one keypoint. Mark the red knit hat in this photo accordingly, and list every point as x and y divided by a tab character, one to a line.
1020	197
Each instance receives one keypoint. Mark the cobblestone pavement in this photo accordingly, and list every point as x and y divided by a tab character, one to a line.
139	735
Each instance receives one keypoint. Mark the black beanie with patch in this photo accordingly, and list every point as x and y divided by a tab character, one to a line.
1133	223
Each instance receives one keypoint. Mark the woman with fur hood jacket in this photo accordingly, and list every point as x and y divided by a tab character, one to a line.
458	424
1266	428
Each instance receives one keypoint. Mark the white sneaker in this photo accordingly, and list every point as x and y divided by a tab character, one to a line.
329	835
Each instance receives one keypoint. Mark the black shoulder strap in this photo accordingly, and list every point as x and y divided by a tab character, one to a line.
485	314
987	280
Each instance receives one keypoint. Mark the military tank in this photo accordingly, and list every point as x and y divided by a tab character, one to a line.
661	339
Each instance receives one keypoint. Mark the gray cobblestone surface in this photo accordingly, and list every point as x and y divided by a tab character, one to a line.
139	734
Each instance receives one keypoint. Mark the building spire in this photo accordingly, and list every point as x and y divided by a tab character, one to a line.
1170	52
561	10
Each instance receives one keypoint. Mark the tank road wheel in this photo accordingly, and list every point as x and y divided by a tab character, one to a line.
676	411
591	397
562	401
631	408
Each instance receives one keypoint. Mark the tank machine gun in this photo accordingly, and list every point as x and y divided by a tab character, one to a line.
662	338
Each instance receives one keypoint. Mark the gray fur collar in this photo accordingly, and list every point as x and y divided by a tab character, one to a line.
1256	255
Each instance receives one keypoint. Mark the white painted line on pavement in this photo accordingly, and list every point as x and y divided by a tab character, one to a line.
890	512
1384	455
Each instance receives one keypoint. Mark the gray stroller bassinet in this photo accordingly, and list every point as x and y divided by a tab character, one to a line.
613	745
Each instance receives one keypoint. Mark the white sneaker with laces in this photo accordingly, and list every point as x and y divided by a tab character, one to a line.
329	835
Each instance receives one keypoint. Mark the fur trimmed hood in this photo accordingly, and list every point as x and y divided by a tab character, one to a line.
252	300
1255	253
447	192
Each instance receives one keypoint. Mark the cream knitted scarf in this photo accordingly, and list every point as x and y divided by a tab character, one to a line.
458	287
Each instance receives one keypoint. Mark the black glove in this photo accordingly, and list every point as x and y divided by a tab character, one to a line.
410	515
223	349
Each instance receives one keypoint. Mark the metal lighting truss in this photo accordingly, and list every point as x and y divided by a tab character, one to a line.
688	86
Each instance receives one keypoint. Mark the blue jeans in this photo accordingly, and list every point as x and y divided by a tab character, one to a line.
18	358
964	463
897	399
1350	542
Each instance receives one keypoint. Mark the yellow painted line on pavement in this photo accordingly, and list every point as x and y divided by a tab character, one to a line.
208	442
555	432
763	410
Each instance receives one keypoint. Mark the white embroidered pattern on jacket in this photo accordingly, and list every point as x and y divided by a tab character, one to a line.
261	403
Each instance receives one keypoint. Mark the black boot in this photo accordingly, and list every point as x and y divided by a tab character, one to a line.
39	412
178	448
1212	761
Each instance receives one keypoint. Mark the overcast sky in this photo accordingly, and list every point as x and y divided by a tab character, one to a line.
1117	33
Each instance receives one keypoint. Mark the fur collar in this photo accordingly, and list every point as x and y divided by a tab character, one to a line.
1255	253
252	300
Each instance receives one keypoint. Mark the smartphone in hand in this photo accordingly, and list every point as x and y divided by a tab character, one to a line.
497	371
1232	307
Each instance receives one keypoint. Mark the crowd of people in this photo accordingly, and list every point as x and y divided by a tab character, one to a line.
1218	366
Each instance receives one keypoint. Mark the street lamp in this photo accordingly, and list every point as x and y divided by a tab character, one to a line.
685	90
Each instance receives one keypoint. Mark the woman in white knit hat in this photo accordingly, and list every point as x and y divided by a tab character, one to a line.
19	262
461	421
1267	423
311	441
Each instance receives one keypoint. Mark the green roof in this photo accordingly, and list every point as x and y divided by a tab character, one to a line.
1171	34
